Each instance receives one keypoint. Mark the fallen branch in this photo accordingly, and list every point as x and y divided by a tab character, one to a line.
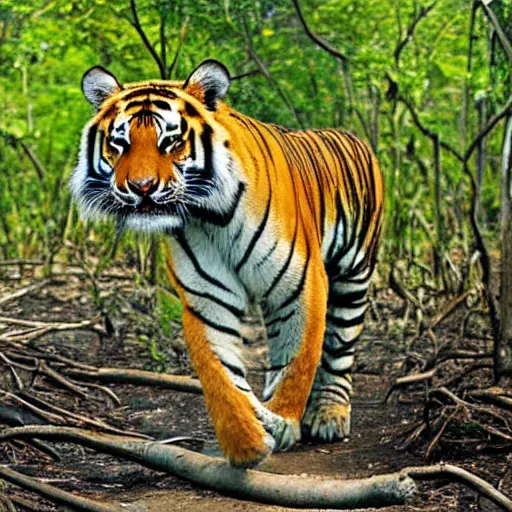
401	382
139	378
285	490
37	329
217	474
494	395
449	309
460	475
53	493
23	291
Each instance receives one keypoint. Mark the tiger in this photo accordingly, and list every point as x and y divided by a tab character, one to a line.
249	213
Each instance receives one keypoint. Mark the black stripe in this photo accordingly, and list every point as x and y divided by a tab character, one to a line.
300	286
183	126
214	217
256	235
267	256
91	139
338	352
340	340
214	325
284	268
192	139
338	373
276	367
163	105
346	298
280	319
348	305
191	110
180	238
341	322
206	141
233	369
149	90
233	309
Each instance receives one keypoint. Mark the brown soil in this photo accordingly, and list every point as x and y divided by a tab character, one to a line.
372	448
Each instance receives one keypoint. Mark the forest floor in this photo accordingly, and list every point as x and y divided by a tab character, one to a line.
377	431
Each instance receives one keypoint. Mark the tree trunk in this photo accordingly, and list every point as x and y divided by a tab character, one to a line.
503	348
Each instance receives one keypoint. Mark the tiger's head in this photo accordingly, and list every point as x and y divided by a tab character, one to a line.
154	155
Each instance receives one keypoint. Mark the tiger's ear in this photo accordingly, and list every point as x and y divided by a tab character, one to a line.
209	82
98	84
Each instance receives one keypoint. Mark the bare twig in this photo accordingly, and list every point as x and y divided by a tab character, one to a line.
183	35
317	40
21	262
427	131
23	291
401	382
460	475
423	12
438	436
449	309
502	36
135	22
38	329
266	73
253	72
287	490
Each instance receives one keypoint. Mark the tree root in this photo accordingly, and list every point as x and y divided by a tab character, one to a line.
285	490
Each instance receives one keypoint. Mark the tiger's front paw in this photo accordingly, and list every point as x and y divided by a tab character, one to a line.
244	441
285	431
327	422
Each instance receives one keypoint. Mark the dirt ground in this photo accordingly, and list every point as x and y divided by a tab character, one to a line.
371	449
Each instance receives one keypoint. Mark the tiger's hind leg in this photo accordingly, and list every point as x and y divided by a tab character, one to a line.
327	415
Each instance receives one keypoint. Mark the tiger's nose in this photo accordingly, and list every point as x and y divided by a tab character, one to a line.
143	187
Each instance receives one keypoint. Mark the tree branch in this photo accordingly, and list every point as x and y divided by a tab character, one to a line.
317	40
410	30
253	72
427	131
495	119
14	141
183	35
138	27
502	36
266	73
